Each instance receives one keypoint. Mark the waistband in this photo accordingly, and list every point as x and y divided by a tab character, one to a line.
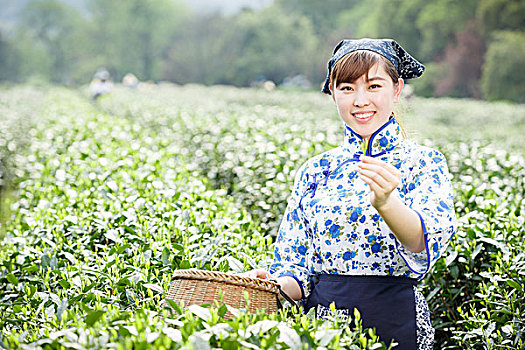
366	279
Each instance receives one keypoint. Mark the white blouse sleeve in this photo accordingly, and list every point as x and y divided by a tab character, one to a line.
293	240
429	194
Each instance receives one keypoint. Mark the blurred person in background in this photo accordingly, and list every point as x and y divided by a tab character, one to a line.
101	84
130	81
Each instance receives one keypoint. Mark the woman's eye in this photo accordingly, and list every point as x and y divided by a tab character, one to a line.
375	86
346	88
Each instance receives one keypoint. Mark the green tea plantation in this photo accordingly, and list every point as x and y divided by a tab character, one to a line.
102	201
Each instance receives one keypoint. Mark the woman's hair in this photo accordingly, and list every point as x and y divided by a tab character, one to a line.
349	68
357	63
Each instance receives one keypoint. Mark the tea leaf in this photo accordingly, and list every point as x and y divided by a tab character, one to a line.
12	279
93	317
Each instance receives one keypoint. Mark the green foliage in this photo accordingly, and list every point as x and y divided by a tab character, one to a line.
392	19
235	146
17	107
162	40
54	25
425	85
476	292
270	35
504	70
199	51
358	21
447	120
8	57
269	43
132	36
439	20
111	198
107	208
497	15
322	14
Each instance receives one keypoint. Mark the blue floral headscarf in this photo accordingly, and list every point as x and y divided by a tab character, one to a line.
407	66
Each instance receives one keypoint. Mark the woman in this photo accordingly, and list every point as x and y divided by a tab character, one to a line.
367	219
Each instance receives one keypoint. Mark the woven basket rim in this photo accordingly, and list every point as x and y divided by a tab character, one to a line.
223	277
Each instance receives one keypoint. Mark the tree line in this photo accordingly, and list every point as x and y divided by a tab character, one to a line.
472	48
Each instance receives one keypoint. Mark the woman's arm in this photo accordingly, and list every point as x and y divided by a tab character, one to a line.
404	222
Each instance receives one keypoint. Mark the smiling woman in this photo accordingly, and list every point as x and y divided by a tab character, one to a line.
366	220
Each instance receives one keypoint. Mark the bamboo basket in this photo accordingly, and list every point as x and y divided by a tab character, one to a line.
203	287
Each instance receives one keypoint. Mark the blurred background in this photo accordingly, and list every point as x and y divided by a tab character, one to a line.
472	48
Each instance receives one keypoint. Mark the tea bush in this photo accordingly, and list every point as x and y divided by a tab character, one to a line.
105	211
16	108
112	197
477	291
247	142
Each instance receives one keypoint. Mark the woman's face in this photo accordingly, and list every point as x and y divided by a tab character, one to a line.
366	104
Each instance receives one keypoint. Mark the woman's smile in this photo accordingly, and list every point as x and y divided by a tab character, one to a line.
363	116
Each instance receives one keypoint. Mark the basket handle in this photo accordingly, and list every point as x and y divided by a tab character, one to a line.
288	299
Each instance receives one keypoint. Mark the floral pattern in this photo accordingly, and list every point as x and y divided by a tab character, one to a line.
424	330
329	225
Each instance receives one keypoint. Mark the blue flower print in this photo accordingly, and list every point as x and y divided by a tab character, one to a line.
444	205
302	250
349	255
354	216
334	231
376	248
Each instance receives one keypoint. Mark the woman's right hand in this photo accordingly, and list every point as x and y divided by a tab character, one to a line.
288	284
257	273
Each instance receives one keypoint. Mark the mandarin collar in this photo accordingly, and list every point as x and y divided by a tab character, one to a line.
383	140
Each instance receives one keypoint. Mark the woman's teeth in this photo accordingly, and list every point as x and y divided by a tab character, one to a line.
363	115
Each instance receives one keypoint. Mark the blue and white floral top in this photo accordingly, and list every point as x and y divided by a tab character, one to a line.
329	225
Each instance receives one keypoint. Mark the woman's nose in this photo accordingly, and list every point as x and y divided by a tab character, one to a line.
361	99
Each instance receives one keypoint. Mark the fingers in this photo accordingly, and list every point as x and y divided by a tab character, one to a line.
385	175
381	177
377	183
366	161
257	273
375	177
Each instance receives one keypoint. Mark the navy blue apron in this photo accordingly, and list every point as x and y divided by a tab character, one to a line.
385	303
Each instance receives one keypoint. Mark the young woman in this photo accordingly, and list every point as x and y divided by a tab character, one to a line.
367	219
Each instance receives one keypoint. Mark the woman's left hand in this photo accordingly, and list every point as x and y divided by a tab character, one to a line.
382	178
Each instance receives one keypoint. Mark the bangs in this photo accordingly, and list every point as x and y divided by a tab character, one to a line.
349	68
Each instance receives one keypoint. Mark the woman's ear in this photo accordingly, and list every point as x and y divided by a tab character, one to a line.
397	89
332	92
